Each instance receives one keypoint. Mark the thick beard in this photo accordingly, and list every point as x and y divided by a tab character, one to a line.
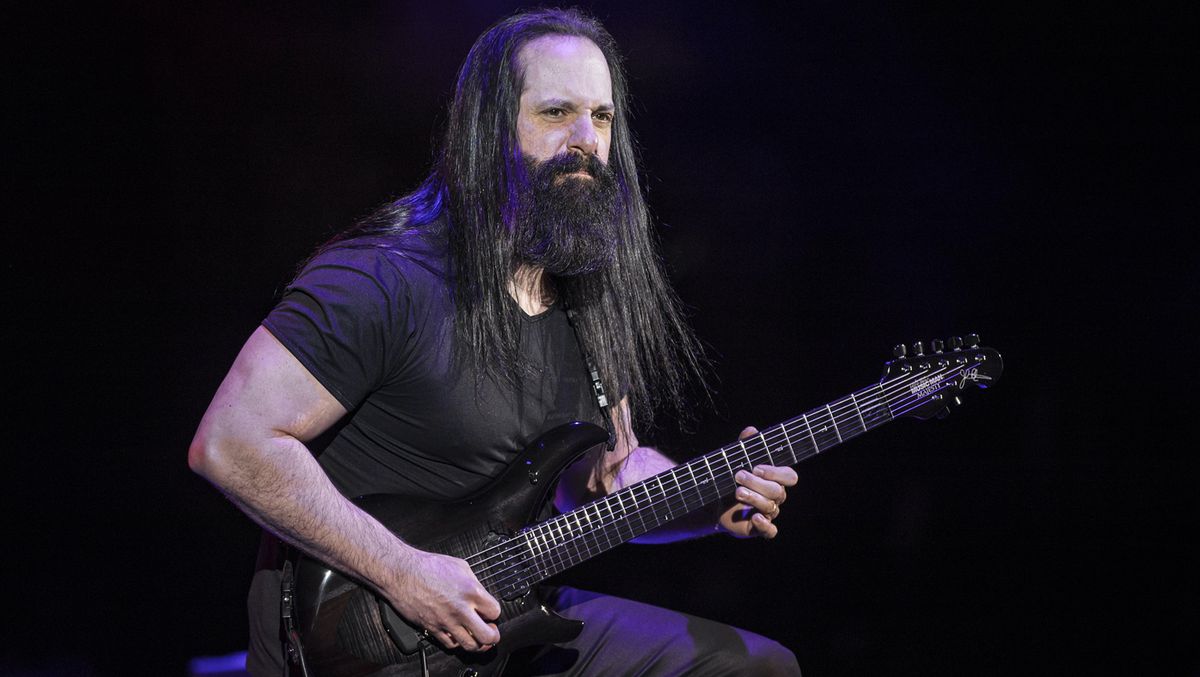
566	224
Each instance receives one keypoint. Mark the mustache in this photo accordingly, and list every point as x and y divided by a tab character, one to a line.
570	163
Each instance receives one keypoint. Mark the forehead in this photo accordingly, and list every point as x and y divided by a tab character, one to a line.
565	66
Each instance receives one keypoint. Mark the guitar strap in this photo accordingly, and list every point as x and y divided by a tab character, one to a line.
597	384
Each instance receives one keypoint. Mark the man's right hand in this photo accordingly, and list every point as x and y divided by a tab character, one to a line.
442	595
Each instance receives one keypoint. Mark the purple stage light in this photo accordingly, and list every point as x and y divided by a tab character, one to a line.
229	665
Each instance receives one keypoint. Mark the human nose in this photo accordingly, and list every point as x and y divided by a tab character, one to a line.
584	138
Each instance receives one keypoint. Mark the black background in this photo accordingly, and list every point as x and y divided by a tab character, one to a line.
831	179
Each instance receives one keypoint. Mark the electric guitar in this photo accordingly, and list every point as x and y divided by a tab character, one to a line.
346	630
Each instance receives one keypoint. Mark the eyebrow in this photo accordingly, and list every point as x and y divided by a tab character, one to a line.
564	103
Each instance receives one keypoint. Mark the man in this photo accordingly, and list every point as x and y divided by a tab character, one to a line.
431	342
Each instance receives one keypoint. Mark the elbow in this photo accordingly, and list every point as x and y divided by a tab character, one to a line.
206	459
199	457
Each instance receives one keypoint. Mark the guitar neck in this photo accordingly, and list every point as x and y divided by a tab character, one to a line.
571	538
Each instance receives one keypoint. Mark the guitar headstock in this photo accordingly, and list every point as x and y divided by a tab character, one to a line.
924	385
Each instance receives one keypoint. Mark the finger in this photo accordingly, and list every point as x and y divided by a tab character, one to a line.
783	475
756	501
444	638
486	605
771	490
487	646
764	527
749	431
481	632
462	636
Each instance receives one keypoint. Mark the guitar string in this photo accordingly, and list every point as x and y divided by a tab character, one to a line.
567	552
559	553
679	498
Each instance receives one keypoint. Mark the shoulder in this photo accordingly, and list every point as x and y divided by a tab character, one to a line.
391	265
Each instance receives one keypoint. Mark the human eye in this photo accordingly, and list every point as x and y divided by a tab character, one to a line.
555	113
605	116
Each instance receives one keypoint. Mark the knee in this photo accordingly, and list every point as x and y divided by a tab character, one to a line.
762	658
775	660
771	659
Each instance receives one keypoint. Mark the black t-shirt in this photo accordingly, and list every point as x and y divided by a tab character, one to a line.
375	325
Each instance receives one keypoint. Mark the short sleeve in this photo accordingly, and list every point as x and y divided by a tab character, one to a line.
343	318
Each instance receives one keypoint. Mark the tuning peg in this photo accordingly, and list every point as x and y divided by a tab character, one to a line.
937	346
972	340
900	351
918	349
957	401
955	343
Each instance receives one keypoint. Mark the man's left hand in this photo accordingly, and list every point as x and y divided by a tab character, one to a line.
760	496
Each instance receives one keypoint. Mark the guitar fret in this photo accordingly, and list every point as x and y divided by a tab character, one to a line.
711	474
624	511
663	492
612	522
549	540
649	500
585	527
559	543
685	496
549	554
695	483
637	509
834	422
584	523
725	455
540	540
527	539
613	519
559	550
746	453
882	409
601	530
534	551
570	542
816	447
787	440
607	526
586	534
680	492
858	411
766	447
674	493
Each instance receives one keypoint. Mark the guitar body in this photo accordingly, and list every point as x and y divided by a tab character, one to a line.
345	627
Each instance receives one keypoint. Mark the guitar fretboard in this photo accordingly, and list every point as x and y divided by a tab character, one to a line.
571	538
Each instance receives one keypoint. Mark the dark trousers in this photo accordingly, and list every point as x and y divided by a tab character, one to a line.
620	637
623	637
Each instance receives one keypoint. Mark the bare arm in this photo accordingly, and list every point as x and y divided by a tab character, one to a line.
749	512
250	444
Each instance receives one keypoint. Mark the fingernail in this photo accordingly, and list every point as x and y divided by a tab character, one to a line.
760	472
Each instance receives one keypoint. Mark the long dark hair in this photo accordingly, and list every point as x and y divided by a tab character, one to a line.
628	318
